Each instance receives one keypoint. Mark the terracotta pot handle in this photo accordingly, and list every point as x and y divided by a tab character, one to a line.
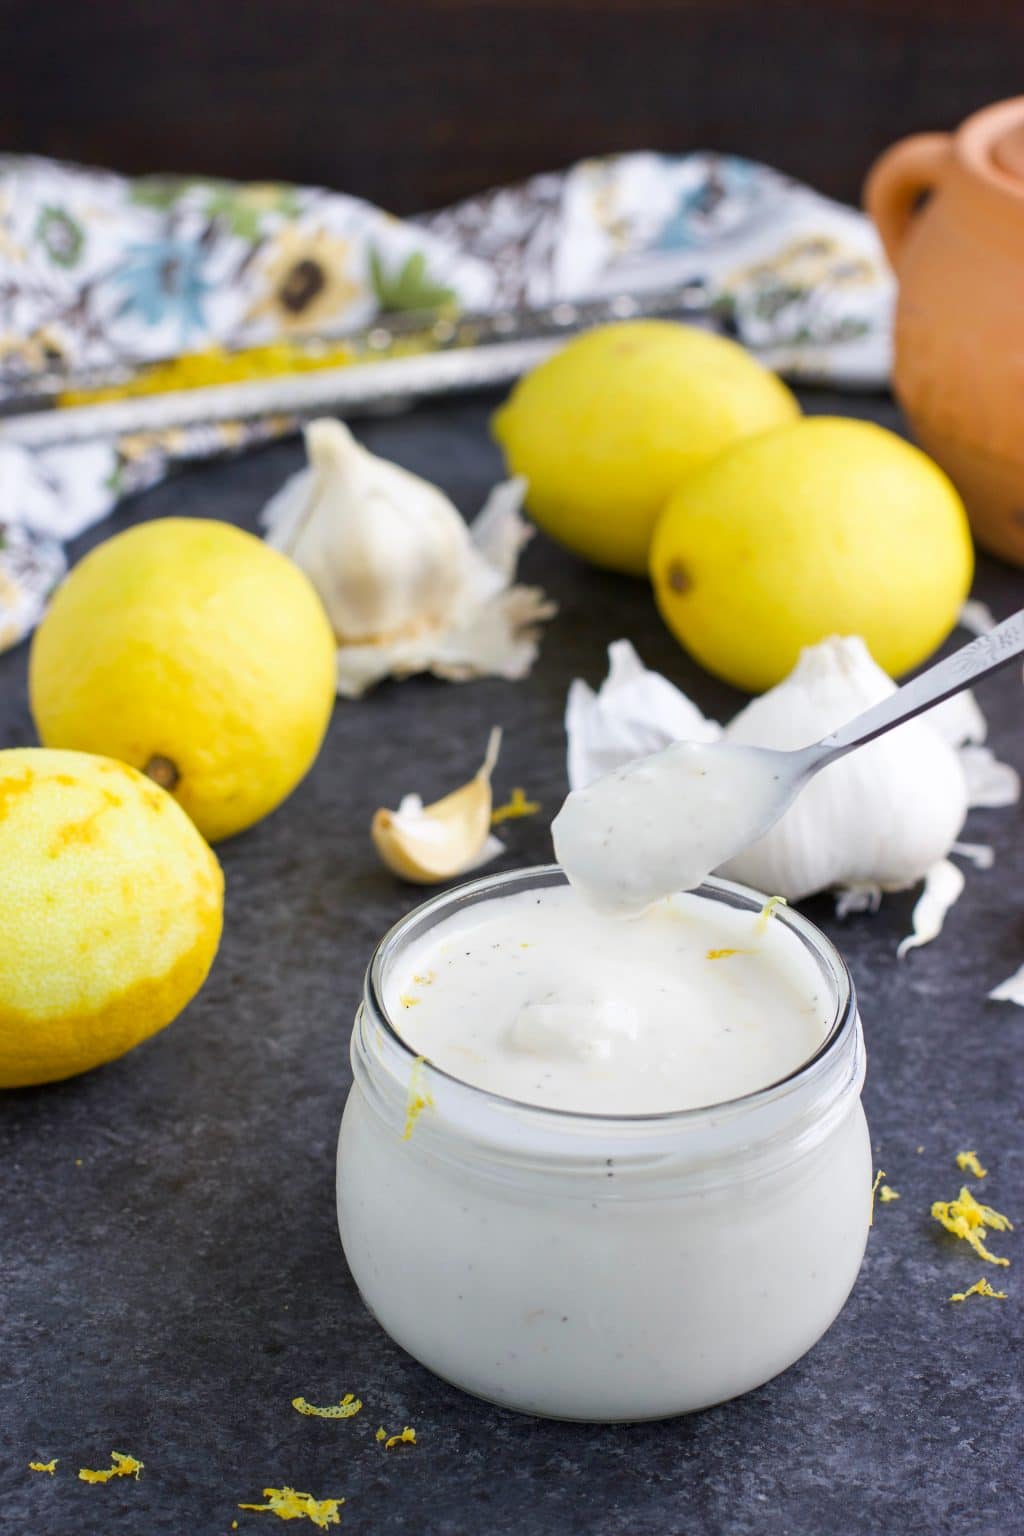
896	182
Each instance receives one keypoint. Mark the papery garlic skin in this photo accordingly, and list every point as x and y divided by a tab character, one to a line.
387	551
881	816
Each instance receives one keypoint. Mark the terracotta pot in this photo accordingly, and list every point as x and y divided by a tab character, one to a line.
959	338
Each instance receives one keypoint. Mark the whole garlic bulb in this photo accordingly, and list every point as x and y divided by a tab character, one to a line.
881	816
387	551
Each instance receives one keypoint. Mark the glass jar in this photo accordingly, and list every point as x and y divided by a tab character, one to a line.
607	1267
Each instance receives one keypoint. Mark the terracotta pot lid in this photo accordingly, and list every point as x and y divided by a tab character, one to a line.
1008	152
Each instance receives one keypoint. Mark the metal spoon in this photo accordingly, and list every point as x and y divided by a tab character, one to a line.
662	823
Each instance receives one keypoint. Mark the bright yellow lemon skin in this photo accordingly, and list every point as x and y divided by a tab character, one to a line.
826	527
194	652
606	429
112	907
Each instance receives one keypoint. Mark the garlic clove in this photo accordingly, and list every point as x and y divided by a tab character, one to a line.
430	843
386	550
407	585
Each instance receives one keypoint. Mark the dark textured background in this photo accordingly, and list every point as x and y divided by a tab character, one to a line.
170	1271
413	103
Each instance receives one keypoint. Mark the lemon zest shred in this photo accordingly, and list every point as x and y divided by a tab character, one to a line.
724	954
887	1194
767	912
979	1288
515	807
288	1504
425	979
348	1407
879	1176
419	1099
407	1437
966	1218
381	1434
44	1466
407	1000
968	1162
121	1466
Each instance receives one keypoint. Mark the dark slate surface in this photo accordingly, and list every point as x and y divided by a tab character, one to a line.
170	1266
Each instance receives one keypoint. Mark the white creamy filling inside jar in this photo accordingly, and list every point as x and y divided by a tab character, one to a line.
537	997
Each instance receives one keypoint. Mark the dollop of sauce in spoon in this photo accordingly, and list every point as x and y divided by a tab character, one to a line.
662	823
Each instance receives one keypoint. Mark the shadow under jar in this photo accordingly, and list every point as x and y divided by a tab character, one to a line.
602	1267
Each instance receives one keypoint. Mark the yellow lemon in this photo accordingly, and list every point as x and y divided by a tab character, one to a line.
192	651
606	429
826	527
112	906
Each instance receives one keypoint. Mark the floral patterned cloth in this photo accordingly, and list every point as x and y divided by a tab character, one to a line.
98	270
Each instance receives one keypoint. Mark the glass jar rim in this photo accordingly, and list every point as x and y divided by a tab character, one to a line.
843	1027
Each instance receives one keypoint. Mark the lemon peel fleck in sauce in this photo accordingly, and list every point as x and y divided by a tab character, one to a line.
419	1099
979	1288
964	1217
121	1466
886	1194
514	808
724	954
347	1408
44	1466
287	1504
968	1162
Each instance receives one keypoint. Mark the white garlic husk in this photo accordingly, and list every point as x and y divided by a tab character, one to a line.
880	817
387	551
407	586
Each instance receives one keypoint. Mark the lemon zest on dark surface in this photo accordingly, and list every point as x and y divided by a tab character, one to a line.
979	1288
966	1218
288	1504
406	1437
515	807
121	1466
347	1408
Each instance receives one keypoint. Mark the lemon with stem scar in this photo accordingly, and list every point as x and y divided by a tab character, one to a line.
192	651
828	526
112	908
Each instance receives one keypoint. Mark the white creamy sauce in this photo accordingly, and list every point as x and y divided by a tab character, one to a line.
662	823
537	997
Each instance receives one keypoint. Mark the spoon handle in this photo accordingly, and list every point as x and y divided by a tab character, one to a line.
984	655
